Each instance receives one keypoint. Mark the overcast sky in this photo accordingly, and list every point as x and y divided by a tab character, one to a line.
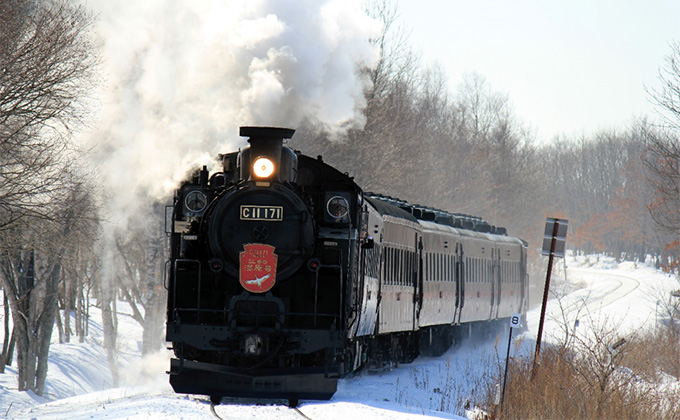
568	67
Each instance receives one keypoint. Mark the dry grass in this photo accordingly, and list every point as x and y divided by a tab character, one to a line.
597	379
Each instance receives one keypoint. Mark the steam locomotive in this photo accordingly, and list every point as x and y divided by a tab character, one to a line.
285	276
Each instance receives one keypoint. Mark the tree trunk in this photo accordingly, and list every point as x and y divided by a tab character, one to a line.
8	341
153	304
46	326
107	301
7	356
79	308
60	328
24	305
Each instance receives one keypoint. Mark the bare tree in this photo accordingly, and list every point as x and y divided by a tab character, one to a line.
32	261
142	251
662	158
45	62
78	262
662	154
45	67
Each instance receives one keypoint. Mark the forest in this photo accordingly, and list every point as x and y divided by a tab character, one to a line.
460	150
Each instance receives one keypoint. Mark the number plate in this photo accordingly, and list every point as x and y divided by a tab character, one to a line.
515	320
270	213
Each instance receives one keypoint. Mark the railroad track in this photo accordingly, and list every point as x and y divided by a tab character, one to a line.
606	290
297	410
608	297
214	411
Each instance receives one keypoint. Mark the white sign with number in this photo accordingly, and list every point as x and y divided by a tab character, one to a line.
515	320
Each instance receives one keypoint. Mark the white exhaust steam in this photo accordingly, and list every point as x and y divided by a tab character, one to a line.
180	77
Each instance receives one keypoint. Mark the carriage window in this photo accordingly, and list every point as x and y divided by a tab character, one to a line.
414	256
453	268
512	272
407	254
442	267
482	277
482	268
400	254
407	257
404	266
426	269
468	269
395	269
395	265
480	263
414	267
440	261
474	270
432	267
442	272
399	262
431	263
489	271
435	268
388	266
451	265
399	265
506	272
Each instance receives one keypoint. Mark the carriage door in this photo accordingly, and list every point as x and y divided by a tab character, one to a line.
368	277
418	261
497	279
460	283
523	279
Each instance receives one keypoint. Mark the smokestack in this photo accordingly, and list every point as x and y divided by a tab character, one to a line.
266	143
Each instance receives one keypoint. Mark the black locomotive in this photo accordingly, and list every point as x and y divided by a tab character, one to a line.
284	276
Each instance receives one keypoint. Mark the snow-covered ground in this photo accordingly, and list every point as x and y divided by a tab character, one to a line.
79	382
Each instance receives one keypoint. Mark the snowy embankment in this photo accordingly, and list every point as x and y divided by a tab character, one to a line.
79	380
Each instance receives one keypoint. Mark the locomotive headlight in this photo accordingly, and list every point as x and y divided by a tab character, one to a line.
263	167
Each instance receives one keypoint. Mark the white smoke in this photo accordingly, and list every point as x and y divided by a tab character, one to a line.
180	77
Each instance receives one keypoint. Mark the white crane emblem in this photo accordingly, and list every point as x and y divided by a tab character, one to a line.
257	267
258	280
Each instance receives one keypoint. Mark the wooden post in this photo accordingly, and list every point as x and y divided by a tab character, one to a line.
514	322
545	296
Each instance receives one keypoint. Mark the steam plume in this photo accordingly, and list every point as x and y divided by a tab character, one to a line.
181	76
